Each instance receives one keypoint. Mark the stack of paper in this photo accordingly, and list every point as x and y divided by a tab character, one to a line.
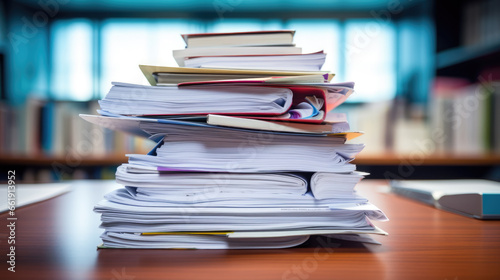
246	162
270	50
292	62
128	99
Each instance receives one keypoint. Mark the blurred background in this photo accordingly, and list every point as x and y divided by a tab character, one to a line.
427	77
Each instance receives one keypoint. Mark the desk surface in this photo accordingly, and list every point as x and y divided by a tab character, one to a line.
56	239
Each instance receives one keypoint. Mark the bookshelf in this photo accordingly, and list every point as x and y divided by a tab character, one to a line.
456	55
465	98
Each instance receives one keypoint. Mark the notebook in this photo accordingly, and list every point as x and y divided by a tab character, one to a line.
233	39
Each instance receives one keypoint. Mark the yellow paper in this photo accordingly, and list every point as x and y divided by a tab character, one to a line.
347	135
188	232
148	71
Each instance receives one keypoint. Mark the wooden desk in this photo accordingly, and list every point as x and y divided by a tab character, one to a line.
57	239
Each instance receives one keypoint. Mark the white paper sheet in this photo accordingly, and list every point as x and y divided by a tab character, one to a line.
26	194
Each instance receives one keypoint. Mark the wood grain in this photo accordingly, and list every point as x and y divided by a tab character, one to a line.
57	239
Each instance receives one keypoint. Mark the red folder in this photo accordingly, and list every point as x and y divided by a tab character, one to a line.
300	93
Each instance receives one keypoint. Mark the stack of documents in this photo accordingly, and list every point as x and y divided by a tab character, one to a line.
148	100
263	50
261	161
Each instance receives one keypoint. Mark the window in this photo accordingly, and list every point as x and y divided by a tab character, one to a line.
126	44
237	25
87	56
72	58
317	35
370	59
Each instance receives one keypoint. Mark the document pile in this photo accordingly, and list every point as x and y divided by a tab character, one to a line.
240	162
271	50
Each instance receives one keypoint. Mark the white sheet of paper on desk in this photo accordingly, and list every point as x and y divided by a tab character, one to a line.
26	194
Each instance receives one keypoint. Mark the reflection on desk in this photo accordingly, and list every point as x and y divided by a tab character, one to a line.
57	239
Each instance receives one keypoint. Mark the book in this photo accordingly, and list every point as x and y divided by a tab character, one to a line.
478	199
182	54
466	129
233	39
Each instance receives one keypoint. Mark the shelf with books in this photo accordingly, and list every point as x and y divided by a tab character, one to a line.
465	96
42	131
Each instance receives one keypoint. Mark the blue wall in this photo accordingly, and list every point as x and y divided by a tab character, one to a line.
26	54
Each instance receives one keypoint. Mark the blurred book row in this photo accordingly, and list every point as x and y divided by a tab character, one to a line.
41	128
463	119
466	117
